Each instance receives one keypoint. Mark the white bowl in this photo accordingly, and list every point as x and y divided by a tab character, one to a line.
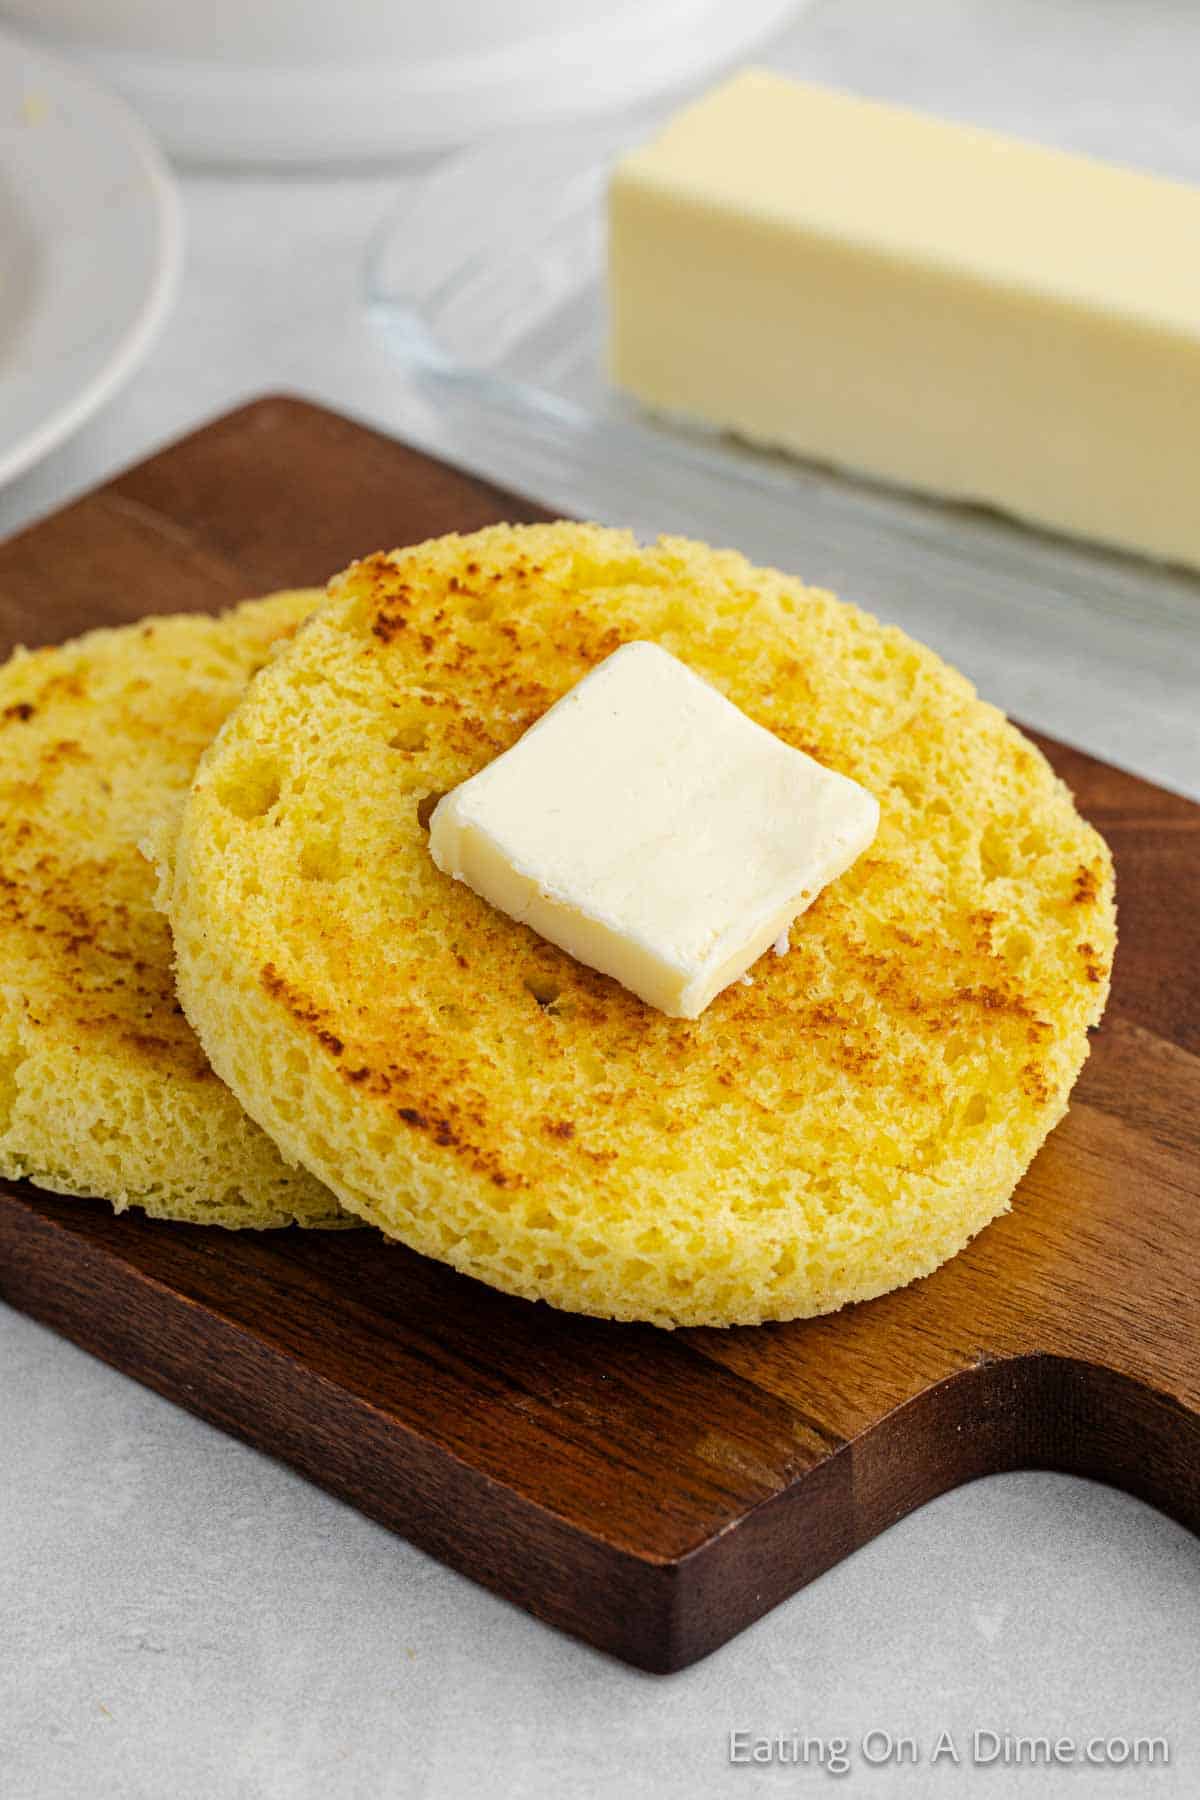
307	81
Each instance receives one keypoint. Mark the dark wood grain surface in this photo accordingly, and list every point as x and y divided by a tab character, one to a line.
652	1492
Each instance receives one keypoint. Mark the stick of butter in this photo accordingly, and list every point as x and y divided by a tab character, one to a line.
649	828
925	303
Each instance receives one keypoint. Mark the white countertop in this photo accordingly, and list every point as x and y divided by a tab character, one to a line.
179	1616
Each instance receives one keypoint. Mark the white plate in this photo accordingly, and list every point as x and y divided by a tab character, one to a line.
89	250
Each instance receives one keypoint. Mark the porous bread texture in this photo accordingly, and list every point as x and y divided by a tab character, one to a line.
104	1089
832	1131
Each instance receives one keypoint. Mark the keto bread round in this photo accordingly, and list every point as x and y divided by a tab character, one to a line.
104	1090
833	1130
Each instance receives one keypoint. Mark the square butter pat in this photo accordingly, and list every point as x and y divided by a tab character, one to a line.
651	829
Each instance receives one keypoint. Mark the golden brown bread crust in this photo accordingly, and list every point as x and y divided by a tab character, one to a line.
836	1128
104	1089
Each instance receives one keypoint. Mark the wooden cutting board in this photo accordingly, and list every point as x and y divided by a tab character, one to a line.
652	1492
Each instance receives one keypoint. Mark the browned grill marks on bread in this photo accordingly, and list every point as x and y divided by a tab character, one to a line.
841	1125
104	1089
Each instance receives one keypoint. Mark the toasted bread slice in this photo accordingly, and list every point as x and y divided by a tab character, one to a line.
833	1130
104	1089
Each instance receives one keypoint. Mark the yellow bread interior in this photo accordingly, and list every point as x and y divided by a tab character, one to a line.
832	1131
104	1090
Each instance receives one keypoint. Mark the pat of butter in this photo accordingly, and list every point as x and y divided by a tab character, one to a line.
649	828
927	303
